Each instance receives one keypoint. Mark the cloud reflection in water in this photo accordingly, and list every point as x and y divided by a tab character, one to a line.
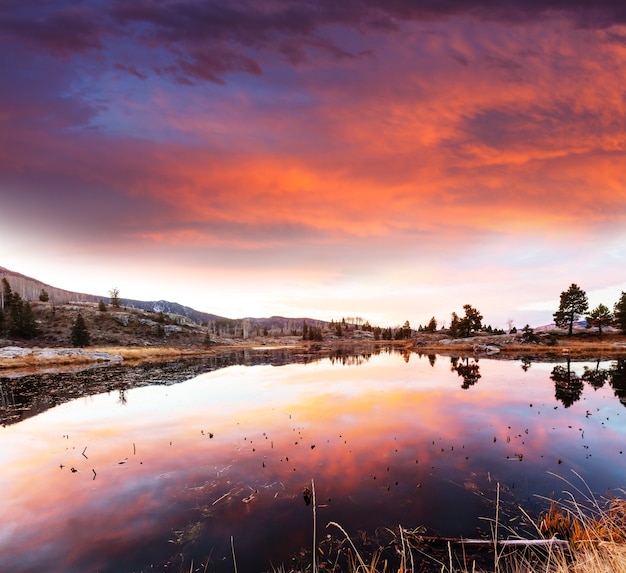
387	442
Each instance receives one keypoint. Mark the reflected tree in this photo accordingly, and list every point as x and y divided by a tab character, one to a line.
568	387
469	371
526	364
617	380
432	358
595	377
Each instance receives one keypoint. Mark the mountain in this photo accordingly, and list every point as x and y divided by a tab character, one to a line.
171	308
30	289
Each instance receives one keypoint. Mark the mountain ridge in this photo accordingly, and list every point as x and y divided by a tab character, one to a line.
30	288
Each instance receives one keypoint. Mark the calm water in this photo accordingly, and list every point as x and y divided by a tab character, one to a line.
153	477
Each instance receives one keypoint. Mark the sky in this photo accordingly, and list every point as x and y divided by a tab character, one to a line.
386	159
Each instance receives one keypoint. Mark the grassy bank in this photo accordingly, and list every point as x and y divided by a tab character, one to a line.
578	346
573	347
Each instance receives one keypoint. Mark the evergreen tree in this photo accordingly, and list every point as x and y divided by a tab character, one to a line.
44	296
432	325
21	319
573	303
15	316
80	334
528	334
454	324
620	312
29	325
600	316
102	307
7	294
470	322
404	332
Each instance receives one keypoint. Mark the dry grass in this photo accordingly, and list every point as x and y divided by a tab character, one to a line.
34	361
148	353
566	346
592	540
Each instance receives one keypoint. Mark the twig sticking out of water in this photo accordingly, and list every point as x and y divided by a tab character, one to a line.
314	529
232	546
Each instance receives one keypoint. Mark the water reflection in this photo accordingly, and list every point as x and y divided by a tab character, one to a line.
596	377
466	369
617	379
569	384
166	473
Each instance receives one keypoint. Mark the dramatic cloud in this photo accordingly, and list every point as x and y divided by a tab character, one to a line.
317	147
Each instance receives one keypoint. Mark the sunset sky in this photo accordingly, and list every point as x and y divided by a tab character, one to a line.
388	159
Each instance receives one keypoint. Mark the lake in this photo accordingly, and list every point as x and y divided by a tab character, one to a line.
153	468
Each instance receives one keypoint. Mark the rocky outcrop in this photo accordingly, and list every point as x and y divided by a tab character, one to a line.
15	355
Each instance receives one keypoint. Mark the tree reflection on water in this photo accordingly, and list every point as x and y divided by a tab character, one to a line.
568	384
469	371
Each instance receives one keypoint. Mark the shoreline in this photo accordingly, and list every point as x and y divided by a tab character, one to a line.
15	358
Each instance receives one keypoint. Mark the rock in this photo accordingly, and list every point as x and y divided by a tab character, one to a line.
42	355
486	349
14	352
120	318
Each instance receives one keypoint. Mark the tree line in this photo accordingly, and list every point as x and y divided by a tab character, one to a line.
16	315
574	303
18	321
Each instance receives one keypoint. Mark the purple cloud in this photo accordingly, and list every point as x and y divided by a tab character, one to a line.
206	40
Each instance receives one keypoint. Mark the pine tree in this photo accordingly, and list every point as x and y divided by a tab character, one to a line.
44	296
21	319
600	316
102	307
620	312
471	321
454	324
573	303
80	334
6	296
29	326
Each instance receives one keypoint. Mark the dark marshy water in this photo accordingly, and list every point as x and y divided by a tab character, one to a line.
156	467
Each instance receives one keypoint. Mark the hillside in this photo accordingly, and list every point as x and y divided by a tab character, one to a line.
135	322
29	289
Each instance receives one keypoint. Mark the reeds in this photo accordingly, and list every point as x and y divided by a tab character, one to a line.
580	534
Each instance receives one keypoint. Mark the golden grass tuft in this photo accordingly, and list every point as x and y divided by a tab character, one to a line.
142	353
